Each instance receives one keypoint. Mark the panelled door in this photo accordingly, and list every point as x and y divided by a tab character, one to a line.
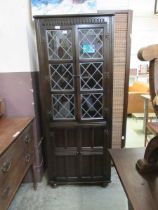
79	153
92	92
93	154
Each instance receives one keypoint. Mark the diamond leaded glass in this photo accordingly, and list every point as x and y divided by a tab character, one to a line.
61	76
91	105
91	76
59	44
91	43
63	106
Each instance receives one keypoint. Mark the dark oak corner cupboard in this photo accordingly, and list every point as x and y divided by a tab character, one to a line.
75	57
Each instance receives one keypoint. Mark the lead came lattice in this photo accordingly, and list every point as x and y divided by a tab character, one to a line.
61	76
63	106
59	44
91	76
91	106
91	43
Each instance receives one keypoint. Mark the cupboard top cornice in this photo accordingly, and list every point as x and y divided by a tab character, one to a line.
100	13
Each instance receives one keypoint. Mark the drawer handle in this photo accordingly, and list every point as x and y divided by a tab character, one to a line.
27	139
5	193
6	166
27	158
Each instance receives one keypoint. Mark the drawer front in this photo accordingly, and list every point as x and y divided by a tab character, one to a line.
27	137
9	160
9	186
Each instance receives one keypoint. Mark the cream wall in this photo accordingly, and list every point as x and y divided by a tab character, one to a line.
17	37
145	27
145	23
112	4
13	37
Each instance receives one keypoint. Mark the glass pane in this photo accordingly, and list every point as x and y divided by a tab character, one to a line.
59	44
91	105
91	43
61	76
63	106
91	76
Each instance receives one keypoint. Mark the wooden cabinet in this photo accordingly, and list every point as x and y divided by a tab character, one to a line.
75	57
79	153
16	156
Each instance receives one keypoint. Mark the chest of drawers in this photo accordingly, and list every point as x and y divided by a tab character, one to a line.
16	156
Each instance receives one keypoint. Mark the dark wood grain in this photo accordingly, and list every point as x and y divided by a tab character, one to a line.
14	179
76	149
16	156
149	163
141	191
10	129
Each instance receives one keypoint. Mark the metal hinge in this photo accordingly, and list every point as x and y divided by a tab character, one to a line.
49	114
106	131
106	75
47	78
107	36
106	110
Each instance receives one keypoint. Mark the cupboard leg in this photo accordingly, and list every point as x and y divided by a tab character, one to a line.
104	184
53	185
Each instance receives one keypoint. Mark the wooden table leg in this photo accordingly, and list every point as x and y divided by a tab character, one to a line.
130	206
34	177
145	114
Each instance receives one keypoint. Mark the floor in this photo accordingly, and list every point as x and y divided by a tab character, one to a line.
69	197
134	133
